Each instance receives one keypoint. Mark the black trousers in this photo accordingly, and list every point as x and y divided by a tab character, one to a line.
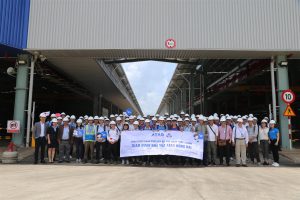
205	161
40	143
113	151
101	150
274	150
253	151
225	152
79	148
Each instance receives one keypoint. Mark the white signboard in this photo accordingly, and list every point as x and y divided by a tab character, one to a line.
13	126
138	143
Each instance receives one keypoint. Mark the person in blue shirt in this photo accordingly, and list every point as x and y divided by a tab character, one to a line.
274	142
161	126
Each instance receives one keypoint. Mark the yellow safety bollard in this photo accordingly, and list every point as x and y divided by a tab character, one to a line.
32	142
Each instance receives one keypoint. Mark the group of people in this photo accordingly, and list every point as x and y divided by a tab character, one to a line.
97	139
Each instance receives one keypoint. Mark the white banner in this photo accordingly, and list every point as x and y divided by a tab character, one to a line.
139	143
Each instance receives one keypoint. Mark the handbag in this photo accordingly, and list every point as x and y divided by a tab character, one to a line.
223	142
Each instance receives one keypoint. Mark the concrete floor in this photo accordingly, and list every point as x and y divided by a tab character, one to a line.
114	182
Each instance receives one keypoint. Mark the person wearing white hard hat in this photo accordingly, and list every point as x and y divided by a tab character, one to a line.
202	128
89	139
224	141
63	115
52	135
135	126
72	122
52	116
153	123
212	130
101	141
65	139
119	123
193	124
274	136
78	140
40	131
125	160
113	136
263	139
186	125
182	114
142	123
147	125
131	120
253	143
59	120
217	120
86	120
112	117
180	124
161	124
240	140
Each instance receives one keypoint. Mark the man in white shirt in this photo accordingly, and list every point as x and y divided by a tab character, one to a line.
212	130
240	139
39	131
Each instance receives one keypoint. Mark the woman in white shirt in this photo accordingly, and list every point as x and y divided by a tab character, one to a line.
263	138
113	136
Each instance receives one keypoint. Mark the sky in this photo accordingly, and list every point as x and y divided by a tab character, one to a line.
149	81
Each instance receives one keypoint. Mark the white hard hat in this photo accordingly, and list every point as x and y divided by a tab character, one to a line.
154	119
240	120
86	117
79	121
157	115
73	117
131	117
234	117
228	118
111	116
147	121
96	117
106	119
116	115
43	115
216	118
118	119
201	117
223	119
112	123
63	113
53	115
179	120
161	119
168	119
142	119
166	114
65	119
80	117
174	119
250	119
136	123
186	119
59	118
210	118
272	122
90	118
194	119
255	118
68	116
264	121
54	120
182	113
186	115
101	118
251	115
120	115
244	117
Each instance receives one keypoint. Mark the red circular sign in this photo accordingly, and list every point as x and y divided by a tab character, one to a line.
288	96
170	43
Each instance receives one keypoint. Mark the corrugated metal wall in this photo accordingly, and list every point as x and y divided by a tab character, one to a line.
146	24
14	16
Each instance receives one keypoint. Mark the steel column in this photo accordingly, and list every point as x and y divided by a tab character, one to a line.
283	84
21	98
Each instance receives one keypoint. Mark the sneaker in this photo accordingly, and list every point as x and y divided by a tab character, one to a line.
151	164
127	162
77	160
144	164
275	164
71	157
123	162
